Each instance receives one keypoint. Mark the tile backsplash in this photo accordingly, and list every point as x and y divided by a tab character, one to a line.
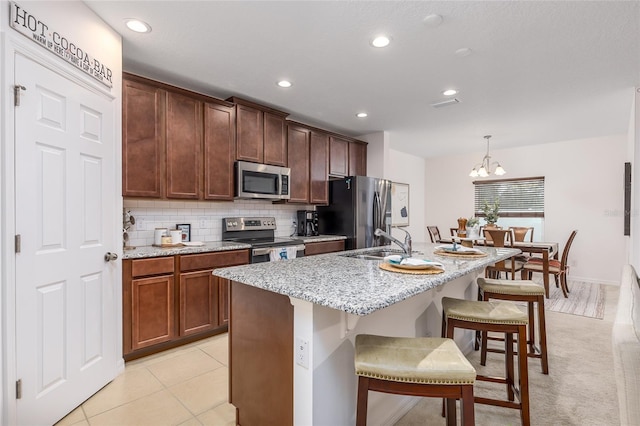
205	217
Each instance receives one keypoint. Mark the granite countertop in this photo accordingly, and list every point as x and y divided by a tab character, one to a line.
354	285
152	251
321	238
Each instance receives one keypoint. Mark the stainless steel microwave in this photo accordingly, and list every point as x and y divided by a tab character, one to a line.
262	181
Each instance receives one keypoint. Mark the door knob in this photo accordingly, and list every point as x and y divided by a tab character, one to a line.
110	256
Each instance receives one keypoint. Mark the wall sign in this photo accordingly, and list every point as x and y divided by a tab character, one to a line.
40	33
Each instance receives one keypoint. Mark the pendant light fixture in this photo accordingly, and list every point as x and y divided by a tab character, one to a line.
484	169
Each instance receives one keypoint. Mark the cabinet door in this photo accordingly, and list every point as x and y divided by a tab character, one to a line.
152	311
219	151
275	140
250	141
223	300
184	147
321	247
319	168
142	140
198	302
338	156
357	159
298	140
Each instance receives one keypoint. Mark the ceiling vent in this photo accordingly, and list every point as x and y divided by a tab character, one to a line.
448	102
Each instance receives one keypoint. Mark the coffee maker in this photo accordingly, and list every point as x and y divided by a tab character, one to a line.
307	223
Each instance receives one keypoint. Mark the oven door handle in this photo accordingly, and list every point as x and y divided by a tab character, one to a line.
267	250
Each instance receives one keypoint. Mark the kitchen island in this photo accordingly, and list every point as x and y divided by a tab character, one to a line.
293	324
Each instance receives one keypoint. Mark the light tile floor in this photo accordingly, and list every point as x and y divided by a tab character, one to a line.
185	386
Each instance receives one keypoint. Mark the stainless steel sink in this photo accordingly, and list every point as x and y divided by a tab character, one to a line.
374	255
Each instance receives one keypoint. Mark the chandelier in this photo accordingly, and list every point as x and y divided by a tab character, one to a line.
484	169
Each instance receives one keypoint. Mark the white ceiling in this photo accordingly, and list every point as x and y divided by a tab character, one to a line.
539	72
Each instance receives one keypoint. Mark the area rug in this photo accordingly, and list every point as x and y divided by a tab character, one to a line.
585	299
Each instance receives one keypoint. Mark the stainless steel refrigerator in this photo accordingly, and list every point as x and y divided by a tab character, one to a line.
357	206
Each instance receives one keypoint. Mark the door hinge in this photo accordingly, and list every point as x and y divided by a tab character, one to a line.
16	94
19	389
18	243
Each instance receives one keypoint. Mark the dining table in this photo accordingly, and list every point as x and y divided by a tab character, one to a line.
547	250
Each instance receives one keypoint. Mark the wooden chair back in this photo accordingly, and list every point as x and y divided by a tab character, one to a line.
454	232
520	233
565	253
434	234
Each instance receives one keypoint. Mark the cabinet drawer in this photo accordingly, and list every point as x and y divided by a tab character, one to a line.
323	247
152	266
192	262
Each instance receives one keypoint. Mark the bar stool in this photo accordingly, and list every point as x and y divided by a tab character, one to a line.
500	317
416	366
517	291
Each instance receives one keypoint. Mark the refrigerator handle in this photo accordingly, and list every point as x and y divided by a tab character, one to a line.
377	211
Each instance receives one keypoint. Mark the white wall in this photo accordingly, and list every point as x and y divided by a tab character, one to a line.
583	190
634	153
76	22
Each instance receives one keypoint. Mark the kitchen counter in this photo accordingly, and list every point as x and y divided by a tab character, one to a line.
293	324
354	285
153	251
321	238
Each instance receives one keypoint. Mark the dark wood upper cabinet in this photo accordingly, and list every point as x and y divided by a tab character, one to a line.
338	156
184	147
249	125
357	159
142	140
261	133
318	167
219	151
275	140
298	140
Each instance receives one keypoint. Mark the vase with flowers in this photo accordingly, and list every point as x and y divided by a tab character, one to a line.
490	211
473	227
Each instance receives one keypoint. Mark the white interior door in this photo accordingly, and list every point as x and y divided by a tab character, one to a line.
65	290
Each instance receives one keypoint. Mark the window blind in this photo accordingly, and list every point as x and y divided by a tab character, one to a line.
518	197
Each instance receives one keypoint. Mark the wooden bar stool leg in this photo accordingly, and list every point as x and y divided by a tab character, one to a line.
544	360
510	375
361	409
532	327
467	410
523	376
483	347
450	411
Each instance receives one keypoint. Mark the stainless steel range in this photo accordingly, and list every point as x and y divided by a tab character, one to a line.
259	232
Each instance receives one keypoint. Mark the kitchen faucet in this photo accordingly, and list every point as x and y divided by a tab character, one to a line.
406	246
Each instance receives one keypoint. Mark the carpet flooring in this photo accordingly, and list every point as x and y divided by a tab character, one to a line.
580	389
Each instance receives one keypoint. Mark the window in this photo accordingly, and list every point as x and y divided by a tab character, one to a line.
522	197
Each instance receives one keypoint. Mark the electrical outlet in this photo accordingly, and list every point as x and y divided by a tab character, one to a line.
202	223
141	224
302	352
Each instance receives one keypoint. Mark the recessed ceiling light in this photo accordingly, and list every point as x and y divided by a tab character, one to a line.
381	41
361	114
284	83
450	92
432	20
465	51
137	25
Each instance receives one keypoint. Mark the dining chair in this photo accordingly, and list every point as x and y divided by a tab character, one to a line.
559	268
453	231
520	233
434	234
510	265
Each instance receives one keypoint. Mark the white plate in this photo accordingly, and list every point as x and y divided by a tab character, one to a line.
192	243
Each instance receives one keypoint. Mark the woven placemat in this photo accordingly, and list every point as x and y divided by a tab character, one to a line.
391	268
460	256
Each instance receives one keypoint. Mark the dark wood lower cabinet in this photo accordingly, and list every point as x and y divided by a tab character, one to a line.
198	302
152	305
322	247
261	356
173	300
